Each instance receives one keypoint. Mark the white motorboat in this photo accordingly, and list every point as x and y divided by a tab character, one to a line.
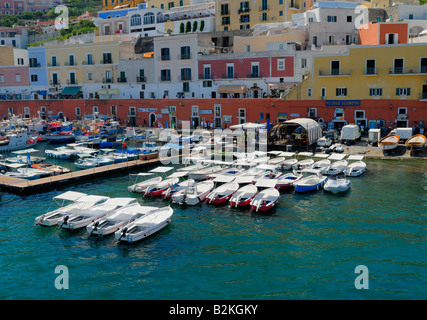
312	180
16	140
119	157
336	147
204	173
222	193
302	164
27	173
145	226
335	167
355	169
77	201
194	194
138	187
287	181
86	163
276	160
167	194
321	164
156	189
266	199
389	142
118	219
287	164
243	196
85	217
336	184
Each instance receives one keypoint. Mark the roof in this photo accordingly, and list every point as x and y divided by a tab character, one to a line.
313	129
337	156
70	195
162	169
266	183
224	178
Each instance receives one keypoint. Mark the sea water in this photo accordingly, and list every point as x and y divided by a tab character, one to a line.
307	248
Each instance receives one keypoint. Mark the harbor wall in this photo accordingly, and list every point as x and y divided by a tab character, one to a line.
142	112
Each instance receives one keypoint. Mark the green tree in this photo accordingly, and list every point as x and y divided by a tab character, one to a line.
194	26
202	25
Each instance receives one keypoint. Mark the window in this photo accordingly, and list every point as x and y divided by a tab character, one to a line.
149	18
72	78
165	54
359	114
312	113
244	18
247	48
255	70
186	74
165	75
341	92
332	18
207	84
264	5
323	93
370	66
335	67
403	91
89	58
303	63
89	76
230	71
423	65
18	78
375	92
53	61
280	64
207	71
107	58
71	60
280	13
34	78
135	20
20	61
398	65
224	9
1	78
225	21
186	87
264	16
391	38
411	16
108	76
349	18
242	115
55	78
185	53
195	111
244	7
309	92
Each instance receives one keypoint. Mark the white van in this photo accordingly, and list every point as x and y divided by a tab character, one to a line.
350	133
403	133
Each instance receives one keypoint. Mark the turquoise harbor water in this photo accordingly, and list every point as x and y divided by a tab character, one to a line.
308	248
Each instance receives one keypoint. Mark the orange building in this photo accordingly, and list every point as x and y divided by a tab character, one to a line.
383	33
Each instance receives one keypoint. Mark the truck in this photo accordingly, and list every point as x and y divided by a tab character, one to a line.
350	133
403	133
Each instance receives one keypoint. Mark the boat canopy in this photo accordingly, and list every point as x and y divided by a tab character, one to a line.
25	151
267	167
286	154
321	155
92	199
355	157
142	174
337	156
305	154
15	165
244	179
120	202
224	178
178	174
161	169
266	183
141	209
70	195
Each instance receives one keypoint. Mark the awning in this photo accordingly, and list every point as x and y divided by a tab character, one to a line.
148	54
232	89
70	90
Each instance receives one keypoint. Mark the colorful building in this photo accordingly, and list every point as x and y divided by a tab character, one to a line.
383	33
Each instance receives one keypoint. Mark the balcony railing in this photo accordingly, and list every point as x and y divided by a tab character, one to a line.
72	82
54	83
165	58
243	10
186	77
140	79
229	76
408	70
87	63
122	80
50	64
185	56
423	96
370	71
107	80
70	63
34	65
165	78
335	73
106	61
205	77
254	75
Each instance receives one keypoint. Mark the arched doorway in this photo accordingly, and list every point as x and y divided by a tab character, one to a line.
152	119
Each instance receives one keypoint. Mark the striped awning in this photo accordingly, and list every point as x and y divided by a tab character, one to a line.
232	89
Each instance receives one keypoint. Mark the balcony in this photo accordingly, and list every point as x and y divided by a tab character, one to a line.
140	79
87	63
106	61
205	77
423	96
34	65
229	76
54	83
107	80
254	75
370	71
69	64
243	10
334	73
121	80
185	77
50	64
185	56
71	82
225	12
408	70
165	58
165	78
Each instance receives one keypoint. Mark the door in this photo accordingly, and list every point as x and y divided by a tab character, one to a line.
152	119
424	94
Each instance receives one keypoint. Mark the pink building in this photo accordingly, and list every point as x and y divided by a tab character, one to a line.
12	6
14	76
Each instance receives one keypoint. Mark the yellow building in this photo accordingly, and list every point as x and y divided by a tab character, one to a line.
82	63
116	4
240	15
367	72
